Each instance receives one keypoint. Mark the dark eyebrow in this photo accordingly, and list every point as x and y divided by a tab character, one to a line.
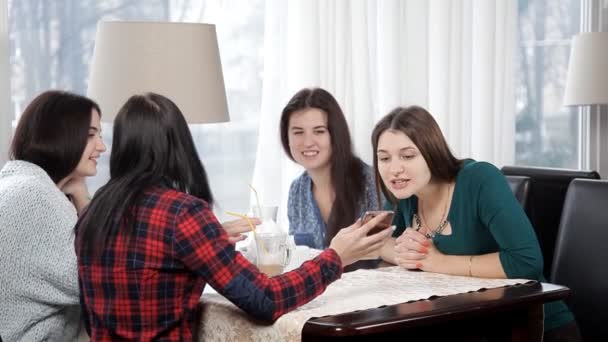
316	127
401	150
94	128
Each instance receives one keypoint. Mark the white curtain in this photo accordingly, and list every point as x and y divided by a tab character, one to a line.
455	58
6	114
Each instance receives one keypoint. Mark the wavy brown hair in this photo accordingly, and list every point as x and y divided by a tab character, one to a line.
420	126
347	174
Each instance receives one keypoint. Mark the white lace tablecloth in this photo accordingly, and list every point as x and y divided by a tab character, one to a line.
358	290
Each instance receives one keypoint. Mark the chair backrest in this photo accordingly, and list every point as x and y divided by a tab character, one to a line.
581	254
545	202
520	185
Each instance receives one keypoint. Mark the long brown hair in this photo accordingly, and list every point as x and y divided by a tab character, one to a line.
347	175
420	126
53	131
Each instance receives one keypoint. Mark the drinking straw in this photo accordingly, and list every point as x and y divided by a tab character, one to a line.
257	198
244	217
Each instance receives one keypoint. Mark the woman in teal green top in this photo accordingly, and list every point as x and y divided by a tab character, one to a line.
461	216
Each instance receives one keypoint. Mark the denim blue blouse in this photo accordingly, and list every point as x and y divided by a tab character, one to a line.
305	220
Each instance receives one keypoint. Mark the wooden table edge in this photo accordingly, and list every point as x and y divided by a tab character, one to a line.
437	309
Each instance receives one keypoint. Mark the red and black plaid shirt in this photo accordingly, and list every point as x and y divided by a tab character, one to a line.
149	288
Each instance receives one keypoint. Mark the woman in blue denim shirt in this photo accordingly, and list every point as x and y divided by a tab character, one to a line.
337	187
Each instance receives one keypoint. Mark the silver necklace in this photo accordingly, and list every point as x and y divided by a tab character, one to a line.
431	234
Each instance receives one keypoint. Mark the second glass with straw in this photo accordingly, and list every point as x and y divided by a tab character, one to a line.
264	213
273	249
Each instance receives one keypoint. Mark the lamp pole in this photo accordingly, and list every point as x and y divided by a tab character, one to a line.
593	149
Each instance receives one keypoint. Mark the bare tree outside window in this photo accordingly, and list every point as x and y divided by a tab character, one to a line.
547	133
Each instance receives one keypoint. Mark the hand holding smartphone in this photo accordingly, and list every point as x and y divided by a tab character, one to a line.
384	224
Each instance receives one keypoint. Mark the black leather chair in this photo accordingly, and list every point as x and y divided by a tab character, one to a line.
545	202
581	254
520	185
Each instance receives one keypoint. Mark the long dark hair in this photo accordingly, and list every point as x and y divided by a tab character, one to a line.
53	131
347	174
152	146
420	126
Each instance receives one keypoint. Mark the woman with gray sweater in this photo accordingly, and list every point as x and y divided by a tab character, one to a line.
42	190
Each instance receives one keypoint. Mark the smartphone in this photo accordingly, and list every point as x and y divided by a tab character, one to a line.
385	223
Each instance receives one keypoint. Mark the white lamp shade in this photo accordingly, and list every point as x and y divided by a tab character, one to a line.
178	60
587	81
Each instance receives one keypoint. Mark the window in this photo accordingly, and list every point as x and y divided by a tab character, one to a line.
52	45
547	133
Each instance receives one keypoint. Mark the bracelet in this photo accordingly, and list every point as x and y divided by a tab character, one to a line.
470	262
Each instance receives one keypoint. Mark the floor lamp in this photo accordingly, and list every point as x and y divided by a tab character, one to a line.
587	81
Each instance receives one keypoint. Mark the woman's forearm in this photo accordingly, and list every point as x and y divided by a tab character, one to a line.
482	266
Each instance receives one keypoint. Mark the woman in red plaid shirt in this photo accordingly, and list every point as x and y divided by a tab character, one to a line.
149	243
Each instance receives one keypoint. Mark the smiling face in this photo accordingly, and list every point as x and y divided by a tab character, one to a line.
309	139
87	166
402	167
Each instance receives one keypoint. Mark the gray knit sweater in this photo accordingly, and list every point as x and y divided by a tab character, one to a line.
38	273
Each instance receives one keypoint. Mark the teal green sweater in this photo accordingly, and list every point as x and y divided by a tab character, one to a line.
486	218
